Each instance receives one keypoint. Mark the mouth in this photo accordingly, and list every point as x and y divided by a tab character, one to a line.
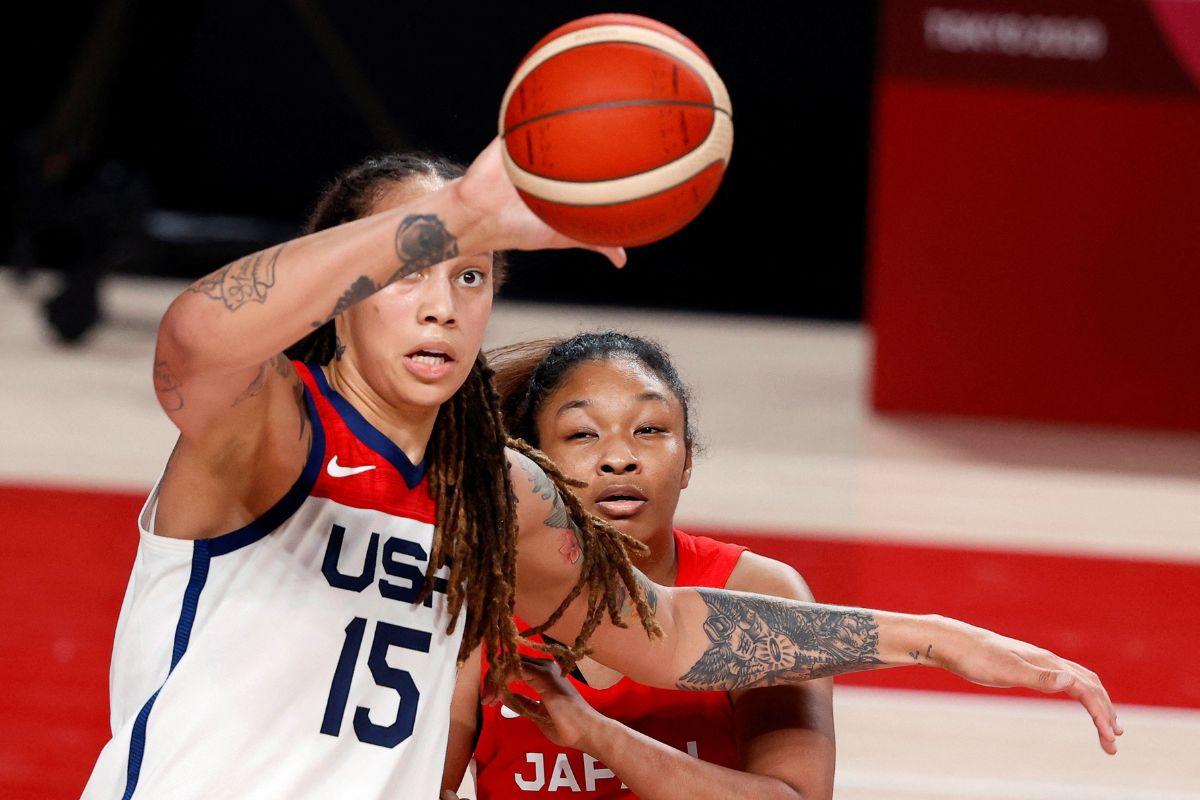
620	501
431	361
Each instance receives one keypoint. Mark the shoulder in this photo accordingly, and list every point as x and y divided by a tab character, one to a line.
762	575
529	481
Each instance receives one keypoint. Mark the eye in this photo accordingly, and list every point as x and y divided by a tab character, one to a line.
472	277
650	429
580	435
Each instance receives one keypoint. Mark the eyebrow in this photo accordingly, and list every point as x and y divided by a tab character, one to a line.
570	405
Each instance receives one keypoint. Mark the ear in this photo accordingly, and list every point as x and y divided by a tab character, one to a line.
686	477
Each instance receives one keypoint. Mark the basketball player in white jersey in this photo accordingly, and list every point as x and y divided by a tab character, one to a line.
327	538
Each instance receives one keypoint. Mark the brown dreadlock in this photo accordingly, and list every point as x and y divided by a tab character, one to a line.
476	529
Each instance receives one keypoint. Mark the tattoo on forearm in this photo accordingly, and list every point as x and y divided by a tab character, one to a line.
242	281
759	641
362	288
167	386
422	241
916	655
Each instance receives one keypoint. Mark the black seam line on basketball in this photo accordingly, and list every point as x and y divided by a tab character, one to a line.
615	104
632	199
684	154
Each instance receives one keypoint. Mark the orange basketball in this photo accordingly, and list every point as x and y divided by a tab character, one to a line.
617	130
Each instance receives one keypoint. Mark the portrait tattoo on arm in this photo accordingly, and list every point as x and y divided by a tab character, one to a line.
422	241
759	641
242	281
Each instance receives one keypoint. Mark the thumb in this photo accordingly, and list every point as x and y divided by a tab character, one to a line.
448	795
614	254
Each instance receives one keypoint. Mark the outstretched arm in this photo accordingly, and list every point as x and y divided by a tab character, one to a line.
784	733
721	640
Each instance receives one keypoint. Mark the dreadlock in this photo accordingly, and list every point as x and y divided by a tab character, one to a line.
476	530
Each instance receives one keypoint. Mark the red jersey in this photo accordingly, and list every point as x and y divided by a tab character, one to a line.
514	760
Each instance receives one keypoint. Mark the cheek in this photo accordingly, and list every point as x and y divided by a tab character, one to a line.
572	461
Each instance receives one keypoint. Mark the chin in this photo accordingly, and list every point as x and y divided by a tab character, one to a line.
418	393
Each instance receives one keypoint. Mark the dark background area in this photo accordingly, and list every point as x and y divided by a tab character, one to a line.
246	108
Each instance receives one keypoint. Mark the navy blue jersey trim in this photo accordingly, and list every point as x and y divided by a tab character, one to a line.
279	513
201	556
367	433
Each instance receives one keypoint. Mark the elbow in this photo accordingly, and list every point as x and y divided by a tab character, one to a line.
186	339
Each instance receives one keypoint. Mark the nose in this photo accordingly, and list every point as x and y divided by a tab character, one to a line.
619	459
437	300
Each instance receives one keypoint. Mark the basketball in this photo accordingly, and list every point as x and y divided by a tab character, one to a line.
617	130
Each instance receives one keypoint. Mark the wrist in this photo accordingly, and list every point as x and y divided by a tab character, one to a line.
476	223
601	737
927	640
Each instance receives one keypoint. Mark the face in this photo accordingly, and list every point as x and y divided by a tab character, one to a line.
416	340
619	427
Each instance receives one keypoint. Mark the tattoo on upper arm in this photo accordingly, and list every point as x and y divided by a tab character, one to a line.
242	281
422	241
627	607
167	387
761	641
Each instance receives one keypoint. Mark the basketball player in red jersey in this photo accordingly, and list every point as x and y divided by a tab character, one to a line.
611	410
301	594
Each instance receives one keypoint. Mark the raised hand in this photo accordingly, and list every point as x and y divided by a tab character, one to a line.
487	190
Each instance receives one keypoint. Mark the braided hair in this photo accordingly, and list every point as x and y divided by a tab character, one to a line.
476	529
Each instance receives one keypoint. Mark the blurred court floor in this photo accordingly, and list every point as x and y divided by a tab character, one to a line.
1085	540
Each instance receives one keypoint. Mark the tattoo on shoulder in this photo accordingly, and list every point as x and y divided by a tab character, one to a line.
422	241
761	641
245	281
167	387
571	543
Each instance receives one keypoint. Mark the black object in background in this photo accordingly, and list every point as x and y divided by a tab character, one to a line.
247	108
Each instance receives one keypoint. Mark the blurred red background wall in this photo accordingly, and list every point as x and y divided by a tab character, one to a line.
1035	220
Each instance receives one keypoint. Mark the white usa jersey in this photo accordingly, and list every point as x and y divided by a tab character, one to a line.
286	659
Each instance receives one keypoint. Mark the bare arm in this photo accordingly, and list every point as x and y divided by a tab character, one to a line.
218	369
784	733
723	640
464	722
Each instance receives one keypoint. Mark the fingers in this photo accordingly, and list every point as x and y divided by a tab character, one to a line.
614	254
1084	687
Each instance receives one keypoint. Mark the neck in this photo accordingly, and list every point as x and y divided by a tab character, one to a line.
661	564
409	426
